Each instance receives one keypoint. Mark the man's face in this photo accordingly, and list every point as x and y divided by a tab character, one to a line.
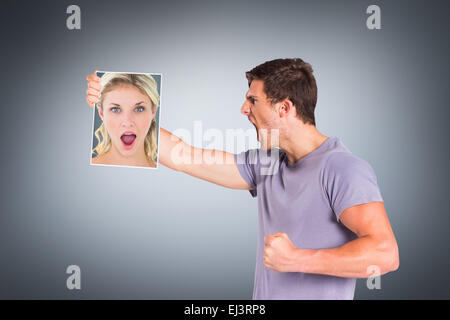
262	114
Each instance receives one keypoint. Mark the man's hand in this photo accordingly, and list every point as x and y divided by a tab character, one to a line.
375	246
94	88
279	252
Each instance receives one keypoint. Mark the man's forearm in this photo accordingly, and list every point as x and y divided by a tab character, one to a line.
174	153
178	155
350	260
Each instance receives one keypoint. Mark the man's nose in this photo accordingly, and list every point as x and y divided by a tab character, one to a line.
245	109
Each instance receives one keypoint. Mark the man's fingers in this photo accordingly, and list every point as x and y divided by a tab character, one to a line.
93	77
94	88
92	97
95	85
284	235
279	234
268	239
92	91
91	100
90	103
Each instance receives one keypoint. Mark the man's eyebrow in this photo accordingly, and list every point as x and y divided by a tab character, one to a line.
250	96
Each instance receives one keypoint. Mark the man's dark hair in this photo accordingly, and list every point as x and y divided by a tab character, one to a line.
288	78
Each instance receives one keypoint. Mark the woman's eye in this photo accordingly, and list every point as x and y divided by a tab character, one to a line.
140	109
115	109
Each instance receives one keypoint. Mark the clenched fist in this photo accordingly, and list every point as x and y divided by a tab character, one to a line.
280	253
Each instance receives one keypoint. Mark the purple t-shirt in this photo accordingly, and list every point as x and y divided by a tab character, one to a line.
304	200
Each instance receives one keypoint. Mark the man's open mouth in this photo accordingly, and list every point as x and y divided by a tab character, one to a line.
256	128
128	139
253	123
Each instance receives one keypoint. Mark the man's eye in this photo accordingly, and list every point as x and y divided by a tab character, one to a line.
115	109
140	109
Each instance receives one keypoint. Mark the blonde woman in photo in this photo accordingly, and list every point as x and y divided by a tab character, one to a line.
127	105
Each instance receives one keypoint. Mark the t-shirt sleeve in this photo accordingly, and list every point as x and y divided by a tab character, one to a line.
349	181
246	164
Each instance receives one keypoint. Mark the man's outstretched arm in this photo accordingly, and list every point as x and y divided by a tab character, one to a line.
215	166
375	246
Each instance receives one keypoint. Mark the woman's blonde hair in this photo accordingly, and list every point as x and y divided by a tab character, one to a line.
147	85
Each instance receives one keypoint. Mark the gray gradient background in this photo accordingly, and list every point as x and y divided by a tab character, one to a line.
160	234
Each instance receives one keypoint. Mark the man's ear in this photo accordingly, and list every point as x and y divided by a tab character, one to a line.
286	107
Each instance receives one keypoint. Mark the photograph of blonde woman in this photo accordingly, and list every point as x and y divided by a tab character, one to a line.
126	124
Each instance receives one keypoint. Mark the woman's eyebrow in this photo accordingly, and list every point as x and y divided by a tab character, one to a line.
116	104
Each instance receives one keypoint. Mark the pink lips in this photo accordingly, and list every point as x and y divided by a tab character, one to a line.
128	138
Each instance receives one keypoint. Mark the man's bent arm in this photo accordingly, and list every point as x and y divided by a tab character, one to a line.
215	166
375	246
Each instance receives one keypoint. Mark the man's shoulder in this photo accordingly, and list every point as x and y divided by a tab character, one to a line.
344	161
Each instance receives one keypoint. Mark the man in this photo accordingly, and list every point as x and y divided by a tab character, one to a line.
322	222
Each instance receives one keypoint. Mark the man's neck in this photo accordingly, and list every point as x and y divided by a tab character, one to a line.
301	141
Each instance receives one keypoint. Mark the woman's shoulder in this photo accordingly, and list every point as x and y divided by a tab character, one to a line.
97	160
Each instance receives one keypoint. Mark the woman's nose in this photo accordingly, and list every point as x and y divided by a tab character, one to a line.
127	119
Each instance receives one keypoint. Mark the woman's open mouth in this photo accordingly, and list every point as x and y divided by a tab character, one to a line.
128	139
